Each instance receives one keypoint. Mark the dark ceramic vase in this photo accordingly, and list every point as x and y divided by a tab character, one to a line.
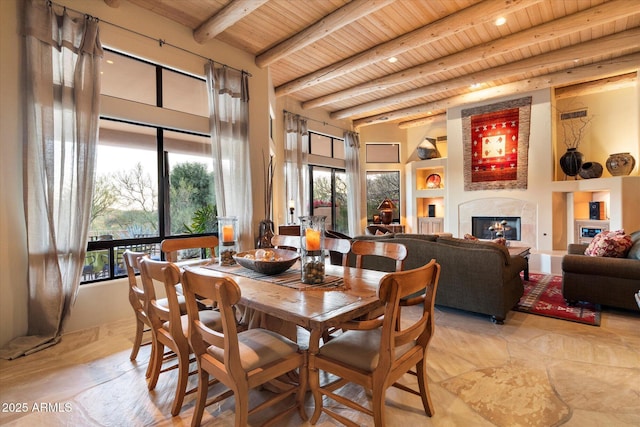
590	170
265	234
571	161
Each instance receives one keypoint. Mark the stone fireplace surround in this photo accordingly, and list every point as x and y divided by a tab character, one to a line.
499	206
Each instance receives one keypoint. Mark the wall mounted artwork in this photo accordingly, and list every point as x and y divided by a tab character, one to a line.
496	145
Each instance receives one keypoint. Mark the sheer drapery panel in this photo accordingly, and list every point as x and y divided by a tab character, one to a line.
62	79
228	91
354	188
296	161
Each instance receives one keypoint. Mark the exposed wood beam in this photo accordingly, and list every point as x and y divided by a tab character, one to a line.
327	25
229	15
453	24
624	64
112	3
598	15
422	121
596	86
615	44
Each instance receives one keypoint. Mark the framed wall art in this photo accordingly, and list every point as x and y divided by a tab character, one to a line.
496	145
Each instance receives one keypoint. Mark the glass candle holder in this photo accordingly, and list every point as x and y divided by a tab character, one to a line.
228	239
312	248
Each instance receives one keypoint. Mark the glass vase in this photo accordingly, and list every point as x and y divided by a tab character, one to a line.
312	248
228	239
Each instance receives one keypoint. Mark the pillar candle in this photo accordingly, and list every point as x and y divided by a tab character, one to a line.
313	239
227	233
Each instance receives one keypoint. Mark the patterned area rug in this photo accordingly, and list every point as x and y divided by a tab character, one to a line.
543	296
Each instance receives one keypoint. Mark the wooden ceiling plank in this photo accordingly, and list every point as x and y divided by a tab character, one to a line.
327	25
232	13
560	27
112	3
619	42
621	65
455	23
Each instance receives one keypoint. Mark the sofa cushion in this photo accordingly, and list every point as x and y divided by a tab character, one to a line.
427	237
634	252
477	244
614	244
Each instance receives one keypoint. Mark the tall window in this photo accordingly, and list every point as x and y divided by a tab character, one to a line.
152	181
383	185
328	178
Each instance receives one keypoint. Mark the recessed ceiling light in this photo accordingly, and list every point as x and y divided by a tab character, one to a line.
475	86
392	59
109	61
501	21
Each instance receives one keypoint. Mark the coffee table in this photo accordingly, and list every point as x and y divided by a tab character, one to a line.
524	252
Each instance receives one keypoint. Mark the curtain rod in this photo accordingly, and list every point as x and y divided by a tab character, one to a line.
161	42
318	121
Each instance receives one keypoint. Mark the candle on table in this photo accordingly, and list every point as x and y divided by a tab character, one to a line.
227	233
313	239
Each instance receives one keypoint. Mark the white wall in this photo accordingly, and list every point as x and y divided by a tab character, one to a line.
13	246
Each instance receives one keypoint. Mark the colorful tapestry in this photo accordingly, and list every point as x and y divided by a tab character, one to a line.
496	145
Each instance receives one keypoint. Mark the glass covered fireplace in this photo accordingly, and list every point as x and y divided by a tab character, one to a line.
491	227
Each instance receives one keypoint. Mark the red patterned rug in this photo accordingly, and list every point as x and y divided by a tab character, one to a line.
543	296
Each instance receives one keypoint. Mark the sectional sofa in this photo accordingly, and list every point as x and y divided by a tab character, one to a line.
476	276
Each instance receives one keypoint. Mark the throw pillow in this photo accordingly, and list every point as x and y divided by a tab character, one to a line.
470	237
500	240
614	244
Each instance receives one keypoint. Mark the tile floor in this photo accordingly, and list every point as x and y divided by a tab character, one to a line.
531	371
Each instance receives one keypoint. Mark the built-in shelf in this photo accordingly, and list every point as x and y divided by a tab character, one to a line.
620	196
426	185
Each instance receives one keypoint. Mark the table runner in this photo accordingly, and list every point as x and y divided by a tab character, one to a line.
290	278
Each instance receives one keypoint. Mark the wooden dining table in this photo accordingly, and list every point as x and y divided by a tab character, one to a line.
313	308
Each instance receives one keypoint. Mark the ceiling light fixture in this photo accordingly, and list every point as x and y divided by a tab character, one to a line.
475	86
392	59
501	21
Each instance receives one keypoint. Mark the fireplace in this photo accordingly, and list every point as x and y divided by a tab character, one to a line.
490	227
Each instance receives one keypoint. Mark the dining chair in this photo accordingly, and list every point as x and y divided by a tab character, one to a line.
240	360
375	354
286	242
171	247
394	251
136	299
168	326
341	246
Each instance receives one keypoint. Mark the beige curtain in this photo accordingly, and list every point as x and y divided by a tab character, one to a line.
63	55
352	160
229	124
296	161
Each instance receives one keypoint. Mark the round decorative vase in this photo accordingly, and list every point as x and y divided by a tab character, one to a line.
590	170
571	161
620	164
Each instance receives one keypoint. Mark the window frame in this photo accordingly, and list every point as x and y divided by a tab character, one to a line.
134	115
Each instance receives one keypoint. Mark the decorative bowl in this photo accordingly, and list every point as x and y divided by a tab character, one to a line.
269	261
